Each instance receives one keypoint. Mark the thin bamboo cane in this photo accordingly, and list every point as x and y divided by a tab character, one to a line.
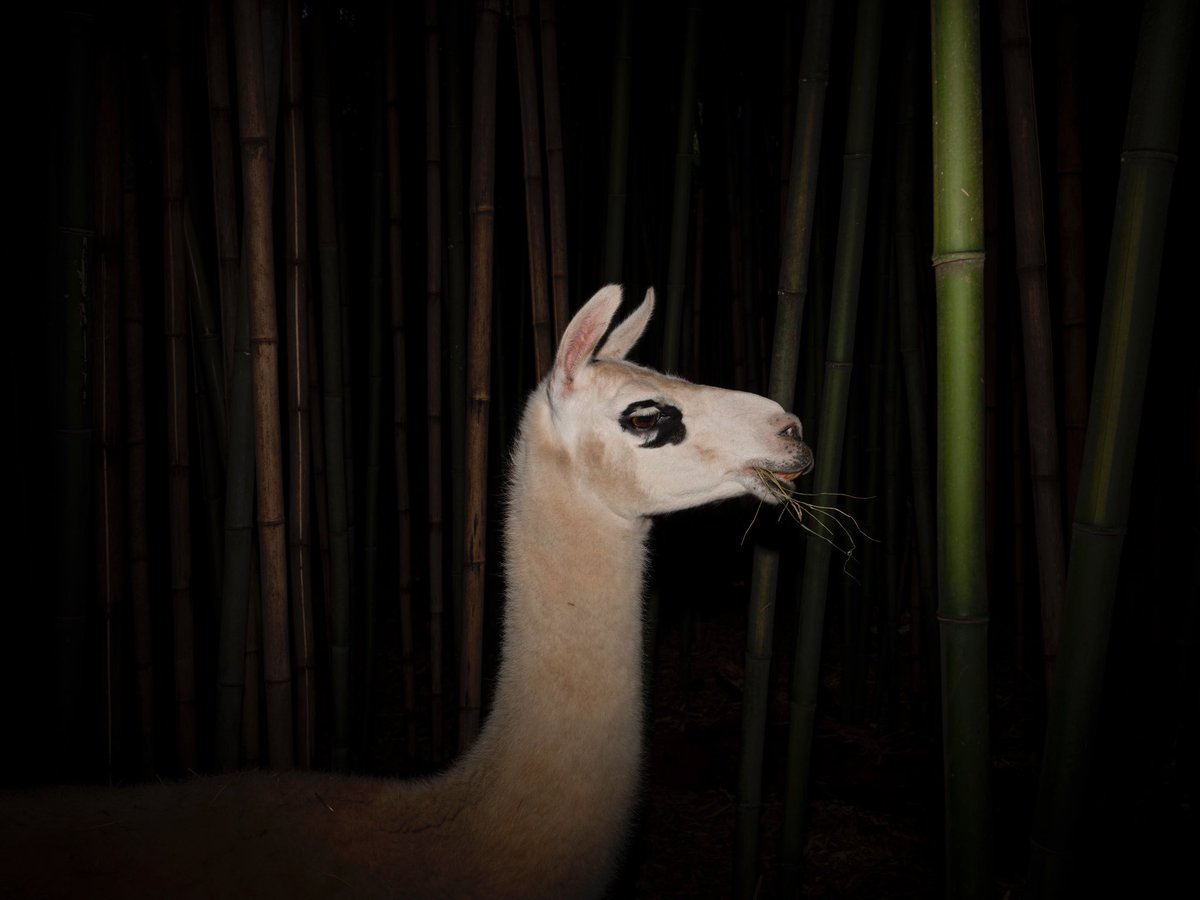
535	217
135	441
1071	245
456	312
962	589
400	417
795	244
206	334
618	148
1035	320
333	410
299	518
264	342
1126	325
175	334
555	167
220	118
912	357
839	363
682	190
479	334
316	437
433	378
109	506
253	670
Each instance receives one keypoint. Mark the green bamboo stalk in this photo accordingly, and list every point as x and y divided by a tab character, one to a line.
839	362
1126	324
456	314
535	217
479	332
795	244
400	417
1035	320
135	440
910	302
333	395
220	119
1073	308
175	334
618	148
264	341
109	506
555	168
685	161
962	589
433	385
299	518
380	235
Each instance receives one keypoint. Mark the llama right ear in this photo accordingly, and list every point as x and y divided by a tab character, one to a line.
579	341
625	335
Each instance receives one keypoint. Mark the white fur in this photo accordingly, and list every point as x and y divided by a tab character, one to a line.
540	806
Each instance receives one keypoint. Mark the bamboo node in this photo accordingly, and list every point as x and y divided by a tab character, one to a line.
957	256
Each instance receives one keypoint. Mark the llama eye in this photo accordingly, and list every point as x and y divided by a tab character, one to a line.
645	421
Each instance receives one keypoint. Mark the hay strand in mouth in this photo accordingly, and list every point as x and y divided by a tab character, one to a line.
824	521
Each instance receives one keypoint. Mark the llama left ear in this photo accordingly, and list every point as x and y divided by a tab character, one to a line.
625	335
579	341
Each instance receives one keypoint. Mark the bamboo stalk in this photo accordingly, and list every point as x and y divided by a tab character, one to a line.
109	506
264	342
400	416
618	148
912	357
433	378
479	334
1102	511
1071	245
795	244
1035	320
175	335
535	217
299	518
839	363
556	169
333	411
220	118
682	190
206	334
962	591
135	441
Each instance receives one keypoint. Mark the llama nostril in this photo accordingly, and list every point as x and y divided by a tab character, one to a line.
793	430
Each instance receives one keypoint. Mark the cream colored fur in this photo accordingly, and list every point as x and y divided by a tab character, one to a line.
540	806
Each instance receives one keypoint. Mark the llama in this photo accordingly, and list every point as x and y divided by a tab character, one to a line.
540	806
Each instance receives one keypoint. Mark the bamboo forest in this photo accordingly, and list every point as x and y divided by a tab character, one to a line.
294	267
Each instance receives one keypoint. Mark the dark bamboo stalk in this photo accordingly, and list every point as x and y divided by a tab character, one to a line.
333	406
795	244
479	335
1102	511
109	506
1035	320
618	148
264	343
206	336
220	118
535	216
556	169
962	590
682	190
135	442
433	381
1071	245
299	516
175	334
839	364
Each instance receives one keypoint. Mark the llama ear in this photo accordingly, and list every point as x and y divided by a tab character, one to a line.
625	335
579	341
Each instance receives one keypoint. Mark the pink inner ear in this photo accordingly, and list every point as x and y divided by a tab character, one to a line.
580	349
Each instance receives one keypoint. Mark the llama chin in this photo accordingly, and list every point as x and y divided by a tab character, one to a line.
540	806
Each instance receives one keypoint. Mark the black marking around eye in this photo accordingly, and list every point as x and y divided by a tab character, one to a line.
669	430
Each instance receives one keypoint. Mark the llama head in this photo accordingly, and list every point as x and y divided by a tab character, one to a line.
648	443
